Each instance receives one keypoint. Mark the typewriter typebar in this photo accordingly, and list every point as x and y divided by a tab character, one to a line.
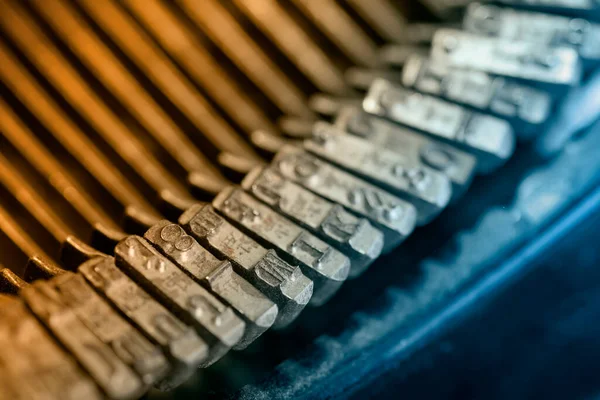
180	342
554	68
27	375
325	266
257	311
581	8
526	108
181	179
488	20
116	379
395	217
429	190
354	236
395	56
459	166
281	282
216	323
489	139
127	342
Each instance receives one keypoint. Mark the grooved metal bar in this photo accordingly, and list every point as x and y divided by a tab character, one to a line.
382	17
341	29
248	56
98	58
271	18
25	194
13	230
15	130
156	64
67	132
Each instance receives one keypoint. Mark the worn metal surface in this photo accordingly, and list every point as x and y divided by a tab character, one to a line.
353	236
488	138
427	189
325	266
282	282
393	216
216	323
526	108
257	311
552	67
456	164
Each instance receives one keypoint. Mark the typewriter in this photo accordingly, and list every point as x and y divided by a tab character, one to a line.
299	199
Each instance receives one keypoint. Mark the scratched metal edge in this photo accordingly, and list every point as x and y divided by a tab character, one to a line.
335	366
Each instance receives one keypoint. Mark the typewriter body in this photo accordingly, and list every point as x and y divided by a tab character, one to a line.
299	199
